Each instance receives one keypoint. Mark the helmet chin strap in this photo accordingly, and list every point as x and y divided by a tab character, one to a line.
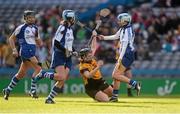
72	22
125	24
69	23
28	21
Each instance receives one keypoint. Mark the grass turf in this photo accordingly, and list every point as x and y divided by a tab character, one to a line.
75	104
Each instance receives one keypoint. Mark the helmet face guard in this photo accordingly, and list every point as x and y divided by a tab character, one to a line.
84	52
29	16
69	15
29	13
124	17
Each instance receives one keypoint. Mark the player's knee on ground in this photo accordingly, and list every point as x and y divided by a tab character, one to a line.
108	91
101	97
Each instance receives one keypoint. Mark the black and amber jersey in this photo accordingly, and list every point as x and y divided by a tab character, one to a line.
89	66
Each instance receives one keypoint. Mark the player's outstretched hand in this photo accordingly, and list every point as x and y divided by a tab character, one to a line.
75	53
68	53
15	53
94	33
100	37
100	63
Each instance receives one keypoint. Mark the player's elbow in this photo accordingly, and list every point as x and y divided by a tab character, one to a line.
87	74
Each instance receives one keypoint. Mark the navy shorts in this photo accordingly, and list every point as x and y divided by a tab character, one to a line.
128	58
94	86
60	59
27	51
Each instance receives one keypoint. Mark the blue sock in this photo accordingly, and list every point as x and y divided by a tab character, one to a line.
49	75
12	84
115	93
42	74
54	92
33	85
133	83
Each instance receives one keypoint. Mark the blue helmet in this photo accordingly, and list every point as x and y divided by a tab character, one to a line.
28	13
124	17
68	14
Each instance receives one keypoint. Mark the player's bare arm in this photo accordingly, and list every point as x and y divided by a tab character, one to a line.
110	37
39	41
91	73
12	40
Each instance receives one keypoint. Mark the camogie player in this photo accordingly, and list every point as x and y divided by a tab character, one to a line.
95	86
126	54
61	57
27	36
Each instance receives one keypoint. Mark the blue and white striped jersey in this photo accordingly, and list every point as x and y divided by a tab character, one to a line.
65	40
26	34
126	37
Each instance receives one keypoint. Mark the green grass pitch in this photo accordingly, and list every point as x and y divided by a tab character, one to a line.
81	104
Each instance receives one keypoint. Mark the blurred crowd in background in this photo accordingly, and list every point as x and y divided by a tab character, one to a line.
157	29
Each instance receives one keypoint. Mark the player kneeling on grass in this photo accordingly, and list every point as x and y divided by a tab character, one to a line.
95	86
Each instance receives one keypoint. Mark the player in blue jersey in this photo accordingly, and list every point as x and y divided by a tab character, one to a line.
126	54
61	57
27	36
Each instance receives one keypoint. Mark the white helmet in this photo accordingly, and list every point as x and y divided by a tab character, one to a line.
124	17
68	14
